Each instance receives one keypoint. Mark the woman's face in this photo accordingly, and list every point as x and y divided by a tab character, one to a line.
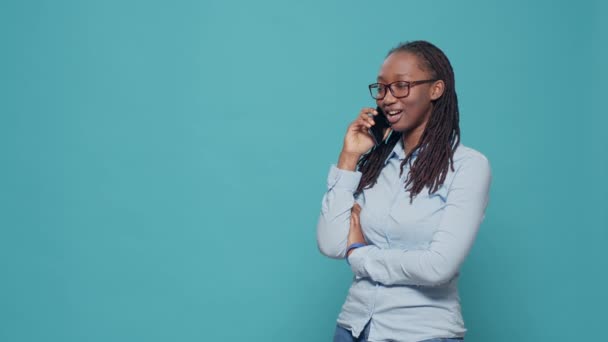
409	113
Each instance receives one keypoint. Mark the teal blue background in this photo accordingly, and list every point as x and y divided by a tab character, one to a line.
163	163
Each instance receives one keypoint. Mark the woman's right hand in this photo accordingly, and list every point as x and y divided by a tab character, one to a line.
357	140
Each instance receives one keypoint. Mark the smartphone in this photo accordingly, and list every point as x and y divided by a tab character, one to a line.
378	129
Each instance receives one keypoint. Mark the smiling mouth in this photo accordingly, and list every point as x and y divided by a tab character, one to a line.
393	116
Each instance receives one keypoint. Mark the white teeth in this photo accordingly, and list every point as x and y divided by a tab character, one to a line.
393	112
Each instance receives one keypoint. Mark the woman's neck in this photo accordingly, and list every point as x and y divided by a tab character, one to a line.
411	139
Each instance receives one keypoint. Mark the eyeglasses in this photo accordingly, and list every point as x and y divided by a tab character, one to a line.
399	89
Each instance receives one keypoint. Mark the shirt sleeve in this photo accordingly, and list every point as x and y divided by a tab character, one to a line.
464	211
334	221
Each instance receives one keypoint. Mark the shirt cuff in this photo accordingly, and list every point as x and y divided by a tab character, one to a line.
343	179
356	259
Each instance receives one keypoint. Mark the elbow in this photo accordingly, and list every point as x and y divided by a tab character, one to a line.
330	250
330	241
440	278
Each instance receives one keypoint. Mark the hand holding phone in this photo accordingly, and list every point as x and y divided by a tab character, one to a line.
365	132
378	130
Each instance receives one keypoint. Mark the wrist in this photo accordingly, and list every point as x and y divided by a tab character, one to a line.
348	161
353	246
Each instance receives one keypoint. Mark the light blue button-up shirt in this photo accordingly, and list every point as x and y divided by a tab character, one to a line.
406	278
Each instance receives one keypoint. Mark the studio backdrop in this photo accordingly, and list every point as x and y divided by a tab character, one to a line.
163	163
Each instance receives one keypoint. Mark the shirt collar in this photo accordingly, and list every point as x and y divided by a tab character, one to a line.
399	152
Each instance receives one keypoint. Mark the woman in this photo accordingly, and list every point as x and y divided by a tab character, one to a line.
405	213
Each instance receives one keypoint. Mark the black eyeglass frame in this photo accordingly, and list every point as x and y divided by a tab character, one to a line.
410	84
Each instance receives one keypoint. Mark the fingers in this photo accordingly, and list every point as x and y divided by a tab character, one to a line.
352	231
355	224
367	116
355	227
354	216
364	120
355	233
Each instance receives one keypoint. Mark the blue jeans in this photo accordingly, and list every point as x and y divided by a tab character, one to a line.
344	335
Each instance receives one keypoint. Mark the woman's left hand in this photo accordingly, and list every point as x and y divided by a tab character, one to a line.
355	234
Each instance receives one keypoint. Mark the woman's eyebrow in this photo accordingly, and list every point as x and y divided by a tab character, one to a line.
379	78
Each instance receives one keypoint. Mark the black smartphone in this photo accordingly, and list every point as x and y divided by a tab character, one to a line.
381	124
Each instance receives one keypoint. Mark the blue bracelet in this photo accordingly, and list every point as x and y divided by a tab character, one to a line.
351	247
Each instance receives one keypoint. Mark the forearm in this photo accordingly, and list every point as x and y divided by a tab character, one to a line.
334	220
451	242
348	161
433	266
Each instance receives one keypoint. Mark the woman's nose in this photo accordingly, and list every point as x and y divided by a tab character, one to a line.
388	99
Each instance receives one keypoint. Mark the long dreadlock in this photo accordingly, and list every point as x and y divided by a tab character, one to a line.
441	135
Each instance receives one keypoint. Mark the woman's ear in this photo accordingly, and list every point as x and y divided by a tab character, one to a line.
437	89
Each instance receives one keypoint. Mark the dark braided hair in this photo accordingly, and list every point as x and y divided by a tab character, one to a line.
441	135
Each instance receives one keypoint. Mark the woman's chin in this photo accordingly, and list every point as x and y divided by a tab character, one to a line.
399	126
